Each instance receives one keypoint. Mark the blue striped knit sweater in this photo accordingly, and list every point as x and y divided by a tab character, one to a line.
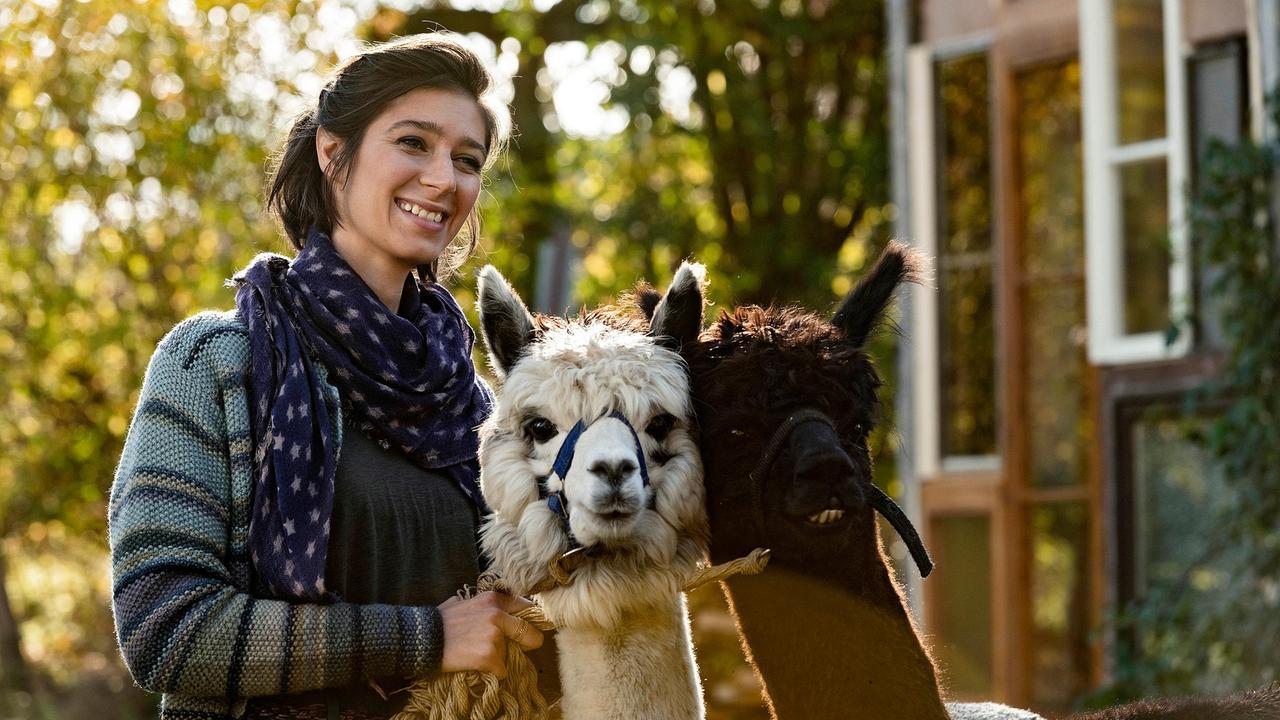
186	619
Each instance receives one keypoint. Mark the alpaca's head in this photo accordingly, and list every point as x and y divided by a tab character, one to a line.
630	489
785	402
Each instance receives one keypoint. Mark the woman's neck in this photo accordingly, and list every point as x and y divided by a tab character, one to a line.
834	647
385	278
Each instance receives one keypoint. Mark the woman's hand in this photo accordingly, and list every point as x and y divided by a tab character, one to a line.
476	631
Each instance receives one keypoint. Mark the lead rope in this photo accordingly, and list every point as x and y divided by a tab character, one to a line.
473	695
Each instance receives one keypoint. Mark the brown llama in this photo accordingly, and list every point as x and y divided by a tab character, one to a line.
1262	704
785	401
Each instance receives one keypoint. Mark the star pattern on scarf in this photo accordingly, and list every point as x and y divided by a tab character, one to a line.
404	374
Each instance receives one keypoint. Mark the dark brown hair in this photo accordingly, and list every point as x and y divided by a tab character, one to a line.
356	93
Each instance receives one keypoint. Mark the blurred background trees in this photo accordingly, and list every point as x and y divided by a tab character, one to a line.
134	141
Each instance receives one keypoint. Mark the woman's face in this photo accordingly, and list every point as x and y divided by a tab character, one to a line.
413	182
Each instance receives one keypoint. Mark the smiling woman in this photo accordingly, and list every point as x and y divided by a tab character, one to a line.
418	176
298	495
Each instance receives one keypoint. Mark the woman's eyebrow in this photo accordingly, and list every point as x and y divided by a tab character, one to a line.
434	128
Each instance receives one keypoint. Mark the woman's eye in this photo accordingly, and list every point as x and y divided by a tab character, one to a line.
470	163
539	429
660	425
413	142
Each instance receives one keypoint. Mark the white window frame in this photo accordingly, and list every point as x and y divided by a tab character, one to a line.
923	178
1103	158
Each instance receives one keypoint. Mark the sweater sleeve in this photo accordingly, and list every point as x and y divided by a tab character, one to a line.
183	623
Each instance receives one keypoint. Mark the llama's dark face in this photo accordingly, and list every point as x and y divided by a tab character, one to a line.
785	404
785	400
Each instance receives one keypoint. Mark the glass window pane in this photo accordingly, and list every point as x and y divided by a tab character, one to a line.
1051	194
1144	208
967	362
1139	38
1177	487
1051	169
1219	97
965	141
966	309
1219	101
1058	423
1059	604
965	300
963	645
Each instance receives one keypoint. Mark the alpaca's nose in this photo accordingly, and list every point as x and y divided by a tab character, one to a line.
613	472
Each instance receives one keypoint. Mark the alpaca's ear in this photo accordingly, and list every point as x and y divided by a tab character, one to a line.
505	322
863	309
677	318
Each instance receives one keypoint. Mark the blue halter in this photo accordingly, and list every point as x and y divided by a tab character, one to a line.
556	501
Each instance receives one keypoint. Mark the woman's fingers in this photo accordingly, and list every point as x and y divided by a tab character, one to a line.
476	632
511	603
523	633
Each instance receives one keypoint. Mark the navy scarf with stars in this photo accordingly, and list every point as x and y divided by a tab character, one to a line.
405	378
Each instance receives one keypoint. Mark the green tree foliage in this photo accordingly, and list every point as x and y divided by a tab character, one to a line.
774	172
131	181
133	140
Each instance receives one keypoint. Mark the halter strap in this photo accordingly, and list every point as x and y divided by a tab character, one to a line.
557	502
878	500
770	454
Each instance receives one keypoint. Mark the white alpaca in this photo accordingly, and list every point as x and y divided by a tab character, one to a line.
625	650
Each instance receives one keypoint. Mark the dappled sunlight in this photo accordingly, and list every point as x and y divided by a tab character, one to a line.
135	141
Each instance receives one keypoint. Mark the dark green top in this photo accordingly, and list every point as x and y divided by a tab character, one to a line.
399	534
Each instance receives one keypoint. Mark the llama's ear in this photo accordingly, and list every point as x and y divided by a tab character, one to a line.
505	322
863	309
647	299
677	318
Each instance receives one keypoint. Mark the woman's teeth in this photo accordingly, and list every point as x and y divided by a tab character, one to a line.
420	212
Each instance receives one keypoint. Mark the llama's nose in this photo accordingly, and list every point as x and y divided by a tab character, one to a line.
613	472
815	449
825	467
817	456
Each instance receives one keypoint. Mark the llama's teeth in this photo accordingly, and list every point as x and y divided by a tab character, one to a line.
816	517
827	516
836	514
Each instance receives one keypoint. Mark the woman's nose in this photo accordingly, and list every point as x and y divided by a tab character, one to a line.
439	174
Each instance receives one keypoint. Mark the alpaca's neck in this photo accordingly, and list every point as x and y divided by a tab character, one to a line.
640	668
839	647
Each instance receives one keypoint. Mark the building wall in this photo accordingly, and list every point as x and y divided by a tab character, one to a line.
1035	442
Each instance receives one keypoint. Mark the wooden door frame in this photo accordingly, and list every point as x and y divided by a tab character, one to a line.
1024	34
1016	49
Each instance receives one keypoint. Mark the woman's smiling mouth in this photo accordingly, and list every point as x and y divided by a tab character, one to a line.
419	211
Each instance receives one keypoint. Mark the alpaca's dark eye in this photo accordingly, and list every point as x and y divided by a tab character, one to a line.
539	429
660	425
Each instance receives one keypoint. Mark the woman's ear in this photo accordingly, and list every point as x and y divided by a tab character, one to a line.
327	147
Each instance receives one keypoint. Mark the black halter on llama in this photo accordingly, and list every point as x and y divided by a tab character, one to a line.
556	500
